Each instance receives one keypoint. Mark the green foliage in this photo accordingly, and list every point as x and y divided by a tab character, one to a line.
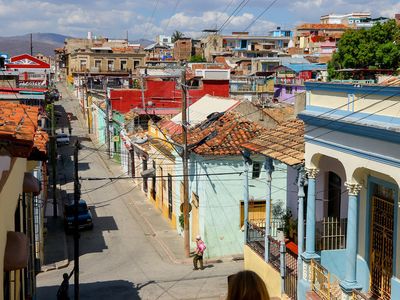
196	58
176	36
182	221
376	48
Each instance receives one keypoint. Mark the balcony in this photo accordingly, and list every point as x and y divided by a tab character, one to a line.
324	285
289	81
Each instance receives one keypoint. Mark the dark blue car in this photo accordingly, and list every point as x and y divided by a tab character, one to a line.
84	216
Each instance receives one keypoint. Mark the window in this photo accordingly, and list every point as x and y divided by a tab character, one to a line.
256	170
256	211
110	65
243	44
288	90
165	40
136	64
83	64
97	64
123	65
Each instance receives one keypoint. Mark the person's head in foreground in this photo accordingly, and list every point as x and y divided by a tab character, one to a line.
246	285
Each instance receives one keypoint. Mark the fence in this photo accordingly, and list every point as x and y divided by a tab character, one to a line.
274	253
324	284
255	238
291	274
357	295
332	233
275	224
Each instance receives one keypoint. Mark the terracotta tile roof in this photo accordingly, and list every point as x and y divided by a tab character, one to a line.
284	143
280	114
19	127
322	26
232	130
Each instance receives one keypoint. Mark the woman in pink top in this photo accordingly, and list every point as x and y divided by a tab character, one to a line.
198	254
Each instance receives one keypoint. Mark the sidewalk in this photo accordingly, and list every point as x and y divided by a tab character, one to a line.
167	238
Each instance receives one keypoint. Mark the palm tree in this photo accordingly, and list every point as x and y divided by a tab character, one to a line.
177	35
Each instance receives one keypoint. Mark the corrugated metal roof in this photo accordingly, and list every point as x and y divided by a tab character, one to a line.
198	111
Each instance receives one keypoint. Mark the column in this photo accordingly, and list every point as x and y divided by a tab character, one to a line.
350	281
310	225
246	199
300	219
269	168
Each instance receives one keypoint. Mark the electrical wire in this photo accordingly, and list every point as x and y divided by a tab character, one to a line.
261	14
238	8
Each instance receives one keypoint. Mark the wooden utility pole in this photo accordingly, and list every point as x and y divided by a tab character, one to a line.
77	197
31	46
53	161
186	236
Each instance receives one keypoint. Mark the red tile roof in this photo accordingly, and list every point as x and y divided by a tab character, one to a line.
284	143
19	129
322	26
232	130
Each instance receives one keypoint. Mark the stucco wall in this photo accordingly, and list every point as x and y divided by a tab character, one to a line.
271	277
220	197
9	196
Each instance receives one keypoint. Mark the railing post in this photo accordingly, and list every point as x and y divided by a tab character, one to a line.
282	265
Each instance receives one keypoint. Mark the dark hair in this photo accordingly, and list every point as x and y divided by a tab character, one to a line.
246	285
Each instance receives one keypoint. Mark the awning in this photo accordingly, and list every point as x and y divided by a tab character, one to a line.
31	184
16	254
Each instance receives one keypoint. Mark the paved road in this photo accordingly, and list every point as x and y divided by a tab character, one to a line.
120	259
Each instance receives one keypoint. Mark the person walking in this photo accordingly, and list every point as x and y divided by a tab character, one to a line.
198	254
63	293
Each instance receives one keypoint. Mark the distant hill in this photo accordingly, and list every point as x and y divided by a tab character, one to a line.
42	42
143	42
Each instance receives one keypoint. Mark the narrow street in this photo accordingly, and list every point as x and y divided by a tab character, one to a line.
121	258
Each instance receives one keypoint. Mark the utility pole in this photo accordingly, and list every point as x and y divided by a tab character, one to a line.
77	196
142	88
107	121
247	162
186	237
53	161
31	45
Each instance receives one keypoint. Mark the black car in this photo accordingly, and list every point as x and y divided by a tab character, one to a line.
84	216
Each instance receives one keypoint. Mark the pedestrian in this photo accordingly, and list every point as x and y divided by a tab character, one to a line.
246	285
63	293
198	254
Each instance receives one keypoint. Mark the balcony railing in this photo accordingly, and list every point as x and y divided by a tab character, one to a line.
324	284
354	81
289	81
331	233
357	295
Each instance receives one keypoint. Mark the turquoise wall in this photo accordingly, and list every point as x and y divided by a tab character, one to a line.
220	197
335	262
101	125
395	292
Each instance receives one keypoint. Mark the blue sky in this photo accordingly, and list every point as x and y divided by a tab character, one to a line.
148	18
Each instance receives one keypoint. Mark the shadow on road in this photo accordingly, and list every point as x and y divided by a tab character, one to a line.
116	290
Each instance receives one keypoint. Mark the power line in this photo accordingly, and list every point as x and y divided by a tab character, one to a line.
238	8
260	15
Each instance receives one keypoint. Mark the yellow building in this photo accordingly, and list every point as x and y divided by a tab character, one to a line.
21	146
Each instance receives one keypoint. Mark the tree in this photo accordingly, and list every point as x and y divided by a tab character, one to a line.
177	35
196	58
378	47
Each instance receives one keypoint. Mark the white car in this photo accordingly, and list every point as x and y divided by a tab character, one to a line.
62	139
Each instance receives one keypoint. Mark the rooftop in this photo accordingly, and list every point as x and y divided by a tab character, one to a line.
221	134
284	143
19	130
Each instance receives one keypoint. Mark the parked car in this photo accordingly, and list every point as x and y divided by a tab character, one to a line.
84	216
62	139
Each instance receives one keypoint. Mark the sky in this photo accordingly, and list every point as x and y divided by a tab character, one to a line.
149	18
